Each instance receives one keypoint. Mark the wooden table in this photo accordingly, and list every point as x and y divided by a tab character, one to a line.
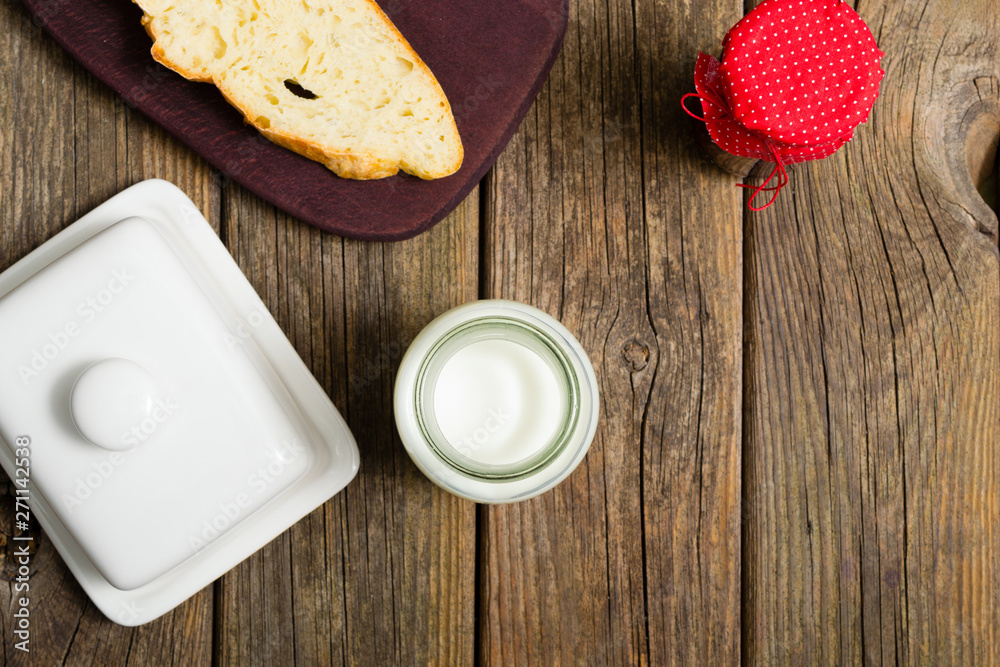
797	459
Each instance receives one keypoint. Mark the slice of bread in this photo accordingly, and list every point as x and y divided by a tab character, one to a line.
330	79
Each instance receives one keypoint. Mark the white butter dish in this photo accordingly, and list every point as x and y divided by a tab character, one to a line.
174	430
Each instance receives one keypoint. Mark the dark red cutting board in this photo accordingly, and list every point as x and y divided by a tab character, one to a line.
491	57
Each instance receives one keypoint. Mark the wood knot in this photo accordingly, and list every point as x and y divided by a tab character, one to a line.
636	355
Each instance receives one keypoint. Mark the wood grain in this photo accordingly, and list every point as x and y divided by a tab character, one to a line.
872	365
383	573
603	213
796	461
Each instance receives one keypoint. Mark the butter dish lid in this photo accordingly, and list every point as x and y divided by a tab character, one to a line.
174	429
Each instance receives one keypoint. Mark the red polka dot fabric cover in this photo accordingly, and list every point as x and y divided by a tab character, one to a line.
796	78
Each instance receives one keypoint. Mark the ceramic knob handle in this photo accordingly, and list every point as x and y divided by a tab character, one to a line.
116	404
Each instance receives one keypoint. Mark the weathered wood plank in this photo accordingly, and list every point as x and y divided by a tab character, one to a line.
36	200
872	371
67	144
602	213
870	438
692	450
383	573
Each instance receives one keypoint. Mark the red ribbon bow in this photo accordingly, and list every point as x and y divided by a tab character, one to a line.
796	78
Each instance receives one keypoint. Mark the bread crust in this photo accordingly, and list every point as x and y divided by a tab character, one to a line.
351	164
160	56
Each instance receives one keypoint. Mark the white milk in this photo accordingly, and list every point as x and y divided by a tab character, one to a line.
498	402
